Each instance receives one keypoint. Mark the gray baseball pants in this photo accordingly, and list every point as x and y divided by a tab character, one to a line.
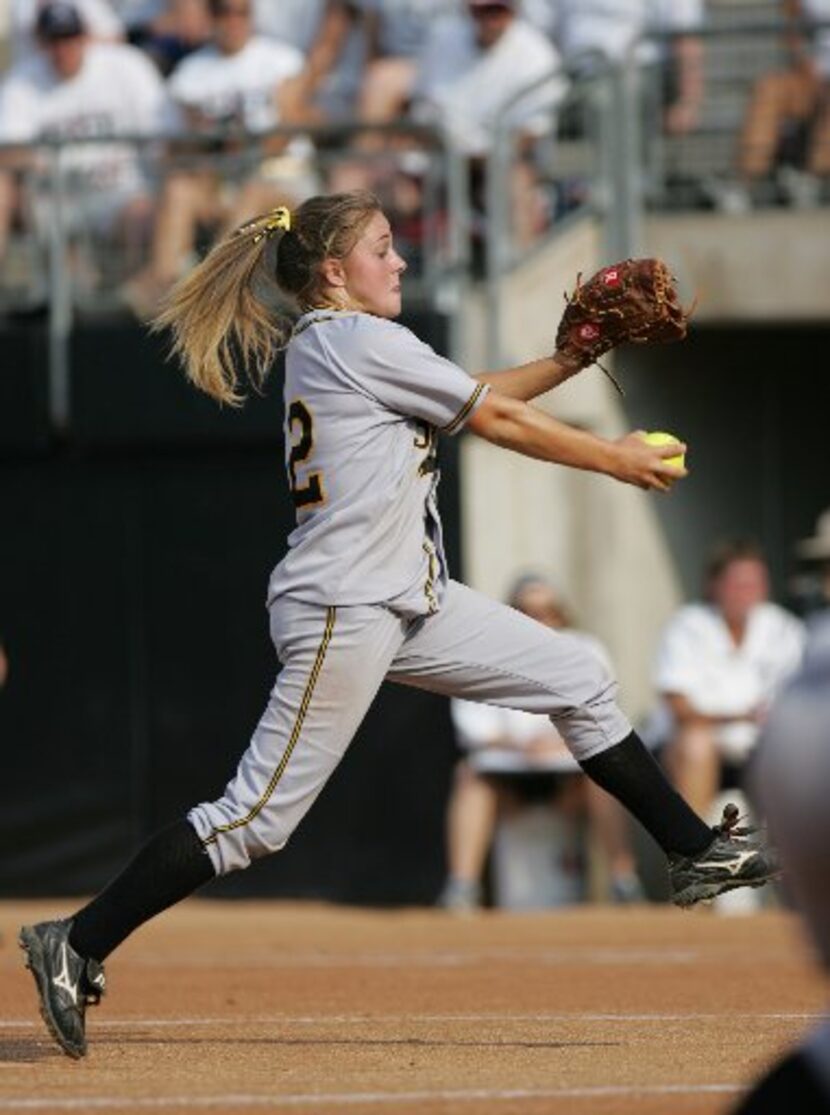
333	663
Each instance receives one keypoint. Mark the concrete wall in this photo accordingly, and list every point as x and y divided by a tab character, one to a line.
759	267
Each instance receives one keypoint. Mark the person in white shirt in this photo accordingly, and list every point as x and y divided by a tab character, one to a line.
231	86
718	666
76	89
510	756
470	69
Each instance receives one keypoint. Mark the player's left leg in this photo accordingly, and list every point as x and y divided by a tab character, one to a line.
333	662
481	650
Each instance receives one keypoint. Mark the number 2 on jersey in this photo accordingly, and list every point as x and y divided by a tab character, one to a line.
312	492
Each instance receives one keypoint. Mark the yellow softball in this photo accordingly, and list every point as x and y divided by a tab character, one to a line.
660	437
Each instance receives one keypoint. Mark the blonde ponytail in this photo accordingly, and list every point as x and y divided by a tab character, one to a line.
217	318
220	323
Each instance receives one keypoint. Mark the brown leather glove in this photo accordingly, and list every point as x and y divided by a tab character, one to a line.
634	300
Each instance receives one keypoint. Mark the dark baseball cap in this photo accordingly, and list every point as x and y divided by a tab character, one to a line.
59	21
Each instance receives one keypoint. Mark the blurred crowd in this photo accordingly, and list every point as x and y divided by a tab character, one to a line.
212	79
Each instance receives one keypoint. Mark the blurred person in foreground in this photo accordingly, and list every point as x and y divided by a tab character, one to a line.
718	665
792	783
73	89
513	758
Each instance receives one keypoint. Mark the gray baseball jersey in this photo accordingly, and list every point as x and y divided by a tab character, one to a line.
362	594
363	400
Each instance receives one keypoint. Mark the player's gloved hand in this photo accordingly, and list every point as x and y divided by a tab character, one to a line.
634	300
636	462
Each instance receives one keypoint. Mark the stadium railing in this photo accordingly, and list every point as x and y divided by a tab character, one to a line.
607	158
59	262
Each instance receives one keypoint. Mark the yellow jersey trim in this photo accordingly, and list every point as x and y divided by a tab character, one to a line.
292	742
452	426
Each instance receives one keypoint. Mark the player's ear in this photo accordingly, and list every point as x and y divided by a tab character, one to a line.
333	273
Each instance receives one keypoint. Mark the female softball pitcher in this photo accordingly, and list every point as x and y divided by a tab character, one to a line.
363	592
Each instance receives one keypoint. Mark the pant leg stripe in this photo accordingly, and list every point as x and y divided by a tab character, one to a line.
292	742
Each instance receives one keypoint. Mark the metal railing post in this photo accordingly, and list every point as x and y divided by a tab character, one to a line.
458	246
624	225
498	237
499	255
60	300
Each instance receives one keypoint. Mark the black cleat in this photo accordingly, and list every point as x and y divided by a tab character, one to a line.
66	983
730	861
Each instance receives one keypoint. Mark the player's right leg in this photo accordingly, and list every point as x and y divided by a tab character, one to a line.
480	650
334	661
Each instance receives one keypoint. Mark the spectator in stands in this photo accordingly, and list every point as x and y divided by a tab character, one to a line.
292	21
398	32
99	18
513	757
231	91
786	128
792	782
788	116
470	69
590	33
333	42
76	89
393	33
719	663
166	30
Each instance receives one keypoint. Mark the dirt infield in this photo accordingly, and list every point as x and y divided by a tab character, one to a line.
241	1007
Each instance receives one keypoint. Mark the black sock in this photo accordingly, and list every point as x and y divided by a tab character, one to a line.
170	866
629	773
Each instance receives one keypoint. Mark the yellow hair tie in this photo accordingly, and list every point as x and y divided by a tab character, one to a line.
277	219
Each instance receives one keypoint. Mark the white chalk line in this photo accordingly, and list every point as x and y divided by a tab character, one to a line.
569	957
416	1019
432	959
350	1099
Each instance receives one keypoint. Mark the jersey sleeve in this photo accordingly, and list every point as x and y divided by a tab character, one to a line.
407	376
